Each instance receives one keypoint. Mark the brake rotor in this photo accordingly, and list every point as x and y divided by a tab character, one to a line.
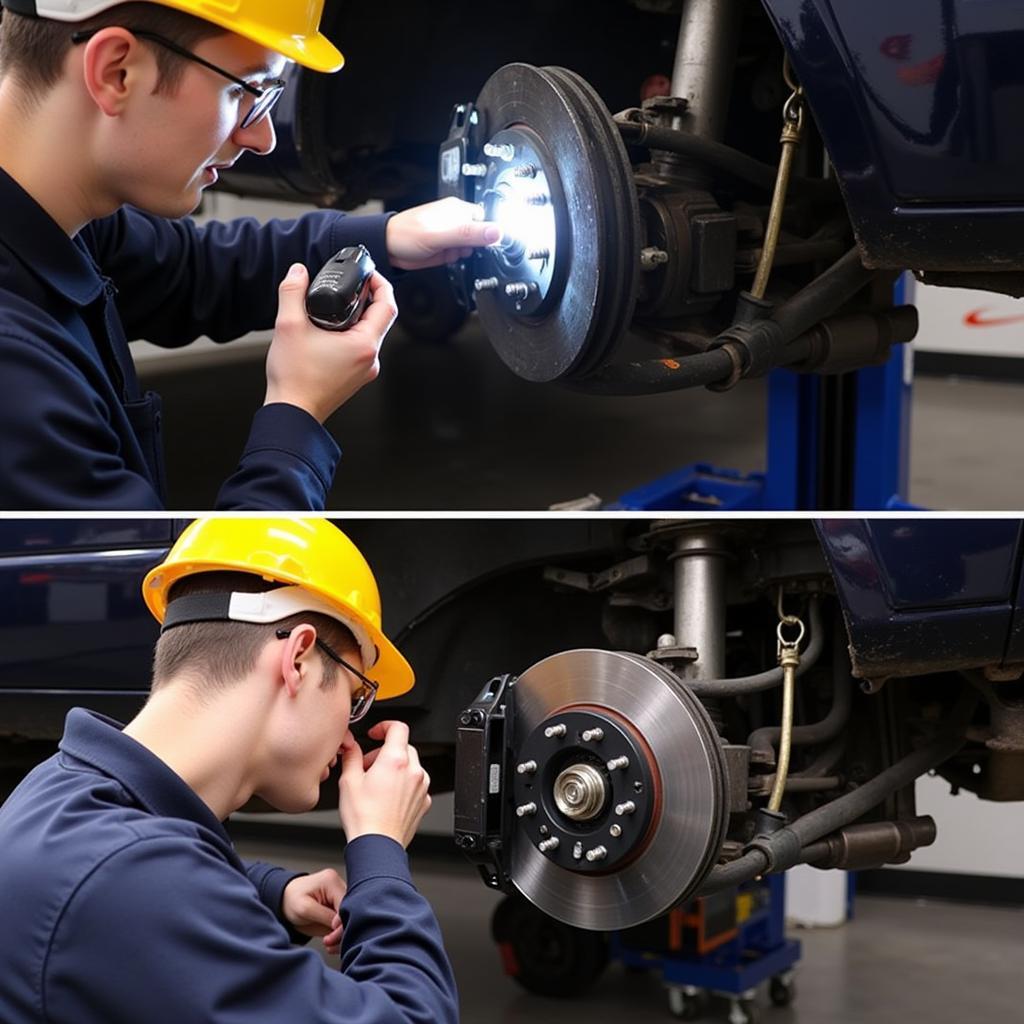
558	296
620	789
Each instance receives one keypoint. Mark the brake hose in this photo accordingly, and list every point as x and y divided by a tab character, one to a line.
744	349
782	849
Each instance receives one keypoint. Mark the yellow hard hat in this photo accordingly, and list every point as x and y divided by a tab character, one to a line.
288	27
321	568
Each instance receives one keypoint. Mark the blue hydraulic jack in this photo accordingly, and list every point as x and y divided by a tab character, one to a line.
834	442
727	945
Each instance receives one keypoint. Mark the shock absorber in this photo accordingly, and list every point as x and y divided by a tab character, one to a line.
696	647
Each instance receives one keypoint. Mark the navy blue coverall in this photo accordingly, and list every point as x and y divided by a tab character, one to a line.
123	902
76	431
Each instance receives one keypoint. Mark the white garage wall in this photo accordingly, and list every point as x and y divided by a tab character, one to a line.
976	837
966	322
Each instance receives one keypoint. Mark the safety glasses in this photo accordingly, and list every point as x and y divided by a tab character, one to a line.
262	99
363	697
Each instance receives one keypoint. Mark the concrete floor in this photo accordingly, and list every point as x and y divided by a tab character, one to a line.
447	426
898	961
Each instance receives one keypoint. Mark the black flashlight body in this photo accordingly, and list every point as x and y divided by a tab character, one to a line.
337	297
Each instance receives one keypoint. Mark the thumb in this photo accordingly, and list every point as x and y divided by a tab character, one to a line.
321	915
351	756
473	234
295	283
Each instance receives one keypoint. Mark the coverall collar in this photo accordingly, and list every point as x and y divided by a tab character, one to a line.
100	742
39	242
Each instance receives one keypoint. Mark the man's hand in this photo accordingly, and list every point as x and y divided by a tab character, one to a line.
437	233
384	792
310	906
320	370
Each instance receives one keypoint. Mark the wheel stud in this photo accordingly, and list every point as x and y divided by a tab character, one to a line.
500	151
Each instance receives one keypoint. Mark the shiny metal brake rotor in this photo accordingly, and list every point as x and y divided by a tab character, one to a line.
556	306
595	732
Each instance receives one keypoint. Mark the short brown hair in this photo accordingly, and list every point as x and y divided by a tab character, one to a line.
218	654
34	49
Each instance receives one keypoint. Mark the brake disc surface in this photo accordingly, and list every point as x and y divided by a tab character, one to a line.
569	323
655	854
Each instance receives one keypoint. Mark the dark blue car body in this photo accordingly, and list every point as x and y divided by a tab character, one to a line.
919	103
919	596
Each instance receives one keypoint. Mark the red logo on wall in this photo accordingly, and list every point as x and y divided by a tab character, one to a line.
977	318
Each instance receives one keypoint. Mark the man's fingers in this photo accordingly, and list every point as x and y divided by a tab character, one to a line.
381	312
368	759
470	235
334	887
394	734
351	755
323	917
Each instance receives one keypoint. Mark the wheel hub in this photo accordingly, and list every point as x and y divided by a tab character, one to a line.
619	789
556	298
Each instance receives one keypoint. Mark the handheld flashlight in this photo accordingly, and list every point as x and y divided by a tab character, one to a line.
338	295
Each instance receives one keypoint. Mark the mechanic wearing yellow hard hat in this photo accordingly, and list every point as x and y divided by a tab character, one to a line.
114	117
122	897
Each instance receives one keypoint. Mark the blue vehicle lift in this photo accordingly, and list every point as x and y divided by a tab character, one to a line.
834	442
758	953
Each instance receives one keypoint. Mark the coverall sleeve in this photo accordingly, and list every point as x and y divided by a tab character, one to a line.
270	882
165	932
178	281
60	451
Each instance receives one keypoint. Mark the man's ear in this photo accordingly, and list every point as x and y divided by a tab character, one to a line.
114	65
297	652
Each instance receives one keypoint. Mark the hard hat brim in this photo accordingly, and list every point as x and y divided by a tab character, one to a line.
315	52
392	672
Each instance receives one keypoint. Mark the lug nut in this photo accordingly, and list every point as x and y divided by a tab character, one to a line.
520	290
526	171
592	734
615	831
552	731
548	844
526	768
617	762
524	809
474	170
500	151
652	257
577	851
485	284
627	808
597	853
538	199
